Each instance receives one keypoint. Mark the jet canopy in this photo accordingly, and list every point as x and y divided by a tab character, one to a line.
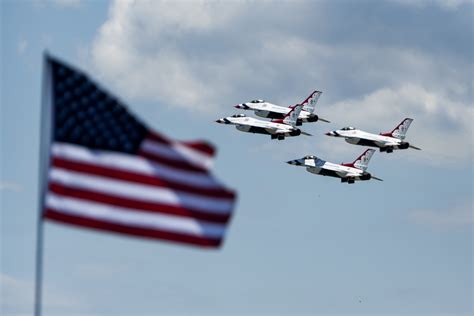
310	157
257	101
238	115
348	128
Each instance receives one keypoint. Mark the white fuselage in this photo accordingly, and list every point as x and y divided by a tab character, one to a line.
358	137
331	169
253	125
318	166
269	110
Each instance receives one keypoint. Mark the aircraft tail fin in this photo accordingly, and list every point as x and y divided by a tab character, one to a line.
362	162
400	130
292	116
309	104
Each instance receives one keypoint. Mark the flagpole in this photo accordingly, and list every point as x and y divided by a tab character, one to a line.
39	265
45	139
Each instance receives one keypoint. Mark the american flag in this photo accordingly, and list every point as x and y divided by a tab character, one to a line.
108	171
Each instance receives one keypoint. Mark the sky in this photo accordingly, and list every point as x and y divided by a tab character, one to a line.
298	244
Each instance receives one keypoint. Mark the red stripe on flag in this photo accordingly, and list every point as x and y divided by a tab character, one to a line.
201	146
177	164
135	204
130	230
139	178
158	138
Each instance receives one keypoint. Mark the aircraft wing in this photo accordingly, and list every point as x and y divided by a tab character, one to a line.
262	124
383	144
372	137
376	139
257	123
348	174
270	108
250	121
335	168
276	130
278	109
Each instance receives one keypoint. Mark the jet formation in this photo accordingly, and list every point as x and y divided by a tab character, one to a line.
277	128
284	121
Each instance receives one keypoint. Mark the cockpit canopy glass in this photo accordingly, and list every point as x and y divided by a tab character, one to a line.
310	157
238	115
257	101
349	128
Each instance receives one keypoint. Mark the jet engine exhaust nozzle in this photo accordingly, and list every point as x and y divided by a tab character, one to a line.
296	132
404	145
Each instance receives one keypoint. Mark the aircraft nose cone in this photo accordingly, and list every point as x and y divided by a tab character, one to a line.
220	121
293	162
330	133
241	106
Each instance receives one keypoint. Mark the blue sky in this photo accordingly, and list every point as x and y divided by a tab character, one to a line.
298	244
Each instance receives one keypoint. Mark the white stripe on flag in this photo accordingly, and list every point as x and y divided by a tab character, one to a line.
131	217
142	192
133	164
178	152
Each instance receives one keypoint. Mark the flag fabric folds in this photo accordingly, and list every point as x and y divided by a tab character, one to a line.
108	171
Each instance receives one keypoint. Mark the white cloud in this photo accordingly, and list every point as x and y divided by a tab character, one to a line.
445	219
141	42
205	56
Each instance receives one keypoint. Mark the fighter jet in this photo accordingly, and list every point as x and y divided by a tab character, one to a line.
387	141
348	172
269	110
278	128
